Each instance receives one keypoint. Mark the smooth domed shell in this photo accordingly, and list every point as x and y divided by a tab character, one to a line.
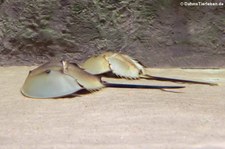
96	65
49	84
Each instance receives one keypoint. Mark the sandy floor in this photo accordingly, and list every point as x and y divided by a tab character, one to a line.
116	118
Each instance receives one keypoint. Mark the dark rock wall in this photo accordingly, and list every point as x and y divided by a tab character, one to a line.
160	33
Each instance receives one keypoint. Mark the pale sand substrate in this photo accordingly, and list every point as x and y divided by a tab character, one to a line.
116	118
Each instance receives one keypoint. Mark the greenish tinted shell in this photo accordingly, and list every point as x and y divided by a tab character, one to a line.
49	81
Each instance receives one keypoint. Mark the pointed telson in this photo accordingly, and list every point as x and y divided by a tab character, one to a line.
53	80
126	67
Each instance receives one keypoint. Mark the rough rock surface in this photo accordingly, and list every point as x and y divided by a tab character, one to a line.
160	33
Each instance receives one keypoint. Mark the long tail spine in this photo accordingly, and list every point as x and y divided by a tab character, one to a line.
140	86
177	80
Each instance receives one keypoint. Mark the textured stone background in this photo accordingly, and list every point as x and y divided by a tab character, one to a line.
160	33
